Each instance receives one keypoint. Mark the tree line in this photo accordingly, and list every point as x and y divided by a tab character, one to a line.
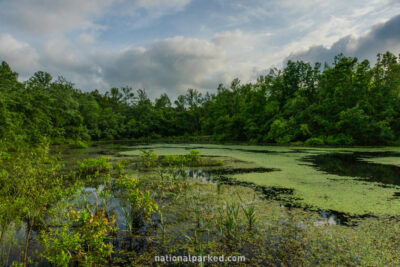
344	103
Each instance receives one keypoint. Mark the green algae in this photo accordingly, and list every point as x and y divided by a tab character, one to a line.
385	160
313	188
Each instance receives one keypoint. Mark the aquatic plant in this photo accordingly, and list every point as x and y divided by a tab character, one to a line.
192	159
250	214
219	186
141	204
94	168
84	241
229	220
148	158
311	187
77	144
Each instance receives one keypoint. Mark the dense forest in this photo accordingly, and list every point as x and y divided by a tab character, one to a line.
346	103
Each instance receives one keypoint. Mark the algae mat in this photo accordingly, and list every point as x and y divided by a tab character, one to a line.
312	186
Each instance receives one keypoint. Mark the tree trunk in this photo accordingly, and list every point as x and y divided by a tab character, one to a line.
3	230
30	225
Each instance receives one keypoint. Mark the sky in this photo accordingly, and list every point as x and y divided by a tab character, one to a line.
168	46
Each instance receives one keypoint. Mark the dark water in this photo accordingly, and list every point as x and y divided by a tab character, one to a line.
353	165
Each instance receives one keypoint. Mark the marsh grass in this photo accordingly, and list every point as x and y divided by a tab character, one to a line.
237	221
251	216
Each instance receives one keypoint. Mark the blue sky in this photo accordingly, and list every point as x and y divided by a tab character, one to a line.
169	46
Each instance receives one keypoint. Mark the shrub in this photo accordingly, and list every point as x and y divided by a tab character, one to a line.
340	139
94	168
31	181
279	132
297	143
139	205
193	157
84	244
315	141
174	160
78	144
154	135
148	158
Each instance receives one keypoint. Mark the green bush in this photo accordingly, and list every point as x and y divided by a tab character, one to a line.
154	135
340	139
280	132
139	205
59	140
318	141
148	158
174	160
191	159
84	244
31	182
94	168
297	143
193	156
78	144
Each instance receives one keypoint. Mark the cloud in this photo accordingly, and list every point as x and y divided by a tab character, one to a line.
51	16
141	13
161	4
169	65
173	63
381	38
112	43
23	57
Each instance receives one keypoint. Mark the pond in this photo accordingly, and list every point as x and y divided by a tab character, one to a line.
339	184
345	180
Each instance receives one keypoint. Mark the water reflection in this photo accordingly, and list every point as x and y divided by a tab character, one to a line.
353	165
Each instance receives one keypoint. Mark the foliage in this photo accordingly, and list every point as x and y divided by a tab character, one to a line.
139	203
148	158
315	141
94	168
191	159
77	144
83	243
31	182
229	220
348	101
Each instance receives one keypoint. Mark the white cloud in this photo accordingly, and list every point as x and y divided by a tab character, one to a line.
19	54
161	4
85	39
51	16
381	38
79	39
141	13
173	64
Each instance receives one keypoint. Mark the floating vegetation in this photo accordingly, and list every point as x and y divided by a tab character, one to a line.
312	186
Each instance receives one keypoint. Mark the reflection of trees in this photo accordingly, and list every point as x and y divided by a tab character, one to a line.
352	165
